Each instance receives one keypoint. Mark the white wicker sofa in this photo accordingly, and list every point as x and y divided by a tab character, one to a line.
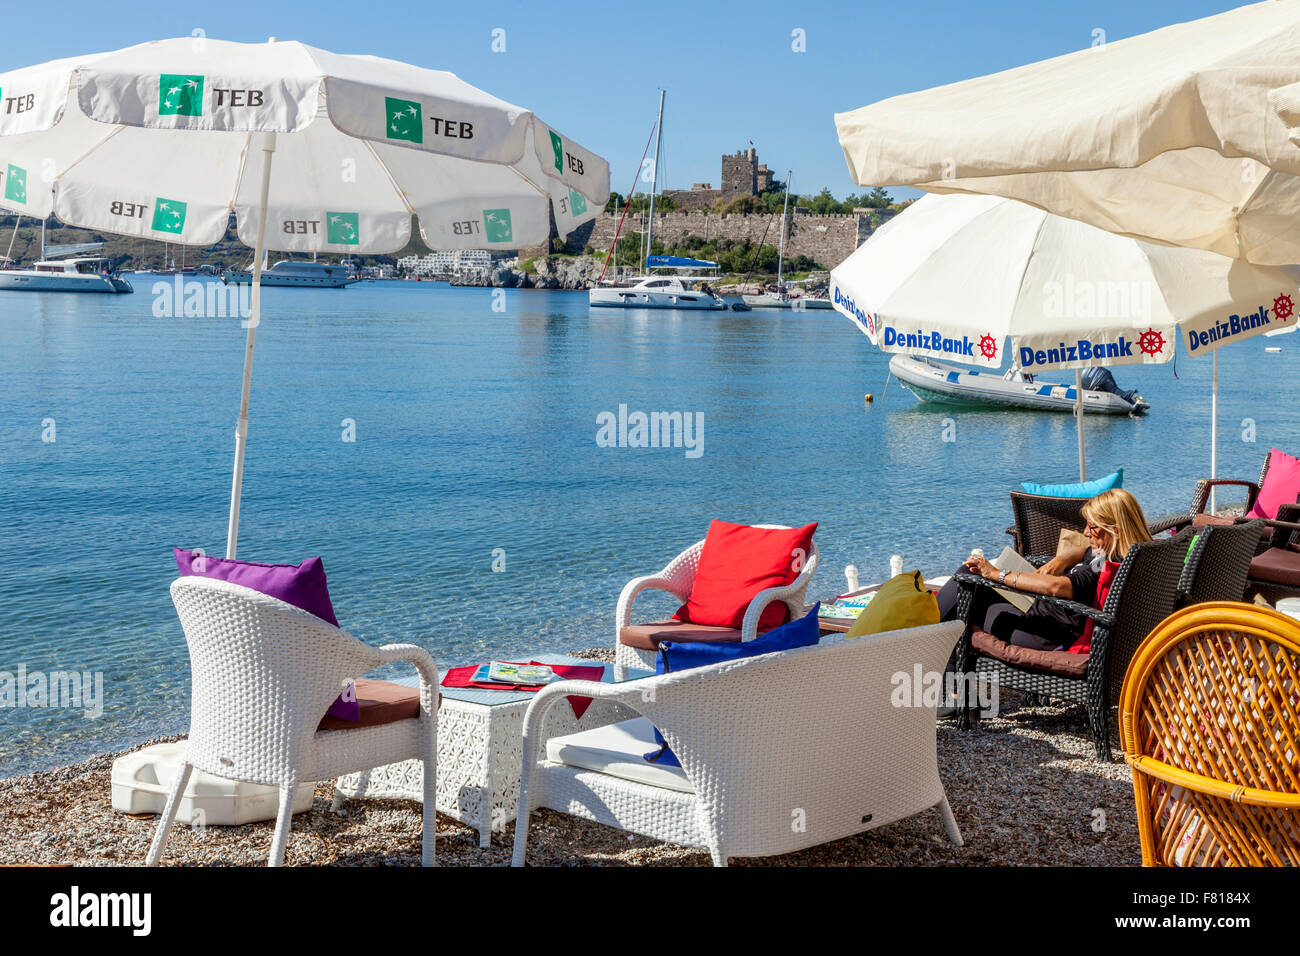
263	673
678	578
778	752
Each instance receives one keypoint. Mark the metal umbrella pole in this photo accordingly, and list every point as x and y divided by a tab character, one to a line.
1078	421
254	317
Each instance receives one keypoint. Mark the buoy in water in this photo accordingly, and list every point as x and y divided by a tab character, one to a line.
866	399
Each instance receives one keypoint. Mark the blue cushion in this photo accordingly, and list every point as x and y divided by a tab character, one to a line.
679	656
1080	489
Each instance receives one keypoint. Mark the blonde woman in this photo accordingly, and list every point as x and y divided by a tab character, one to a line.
1114	524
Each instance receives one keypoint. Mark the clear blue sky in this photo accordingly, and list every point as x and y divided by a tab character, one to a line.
592	70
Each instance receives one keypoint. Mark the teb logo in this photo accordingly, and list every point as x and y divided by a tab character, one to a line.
180	94
403	120
16	184
496	225
577	202
169	216
557	147
342	228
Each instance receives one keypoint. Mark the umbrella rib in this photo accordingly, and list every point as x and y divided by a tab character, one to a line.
401	193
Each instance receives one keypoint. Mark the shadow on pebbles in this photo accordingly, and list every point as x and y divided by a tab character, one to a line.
1025	788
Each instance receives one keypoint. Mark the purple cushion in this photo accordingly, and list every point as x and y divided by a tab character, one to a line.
302	585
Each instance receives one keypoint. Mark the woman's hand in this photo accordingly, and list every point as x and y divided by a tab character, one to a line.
981	566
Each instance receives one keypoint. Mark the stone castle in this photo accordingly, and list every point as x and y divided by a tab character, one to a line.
742	175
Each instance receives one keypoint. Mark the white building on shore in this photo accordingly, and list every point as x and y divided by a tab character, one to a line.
446	263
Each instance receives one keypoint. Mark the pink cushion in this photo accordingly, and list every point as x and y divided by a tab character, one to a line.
736	563
1281	485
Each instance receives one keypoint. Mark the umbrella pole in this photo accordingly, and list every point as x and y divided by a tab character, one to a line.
254	317
1214	431
1078	420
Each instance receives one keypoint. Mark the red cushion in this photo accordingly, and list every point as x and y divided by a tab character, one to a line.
1281	485
736	563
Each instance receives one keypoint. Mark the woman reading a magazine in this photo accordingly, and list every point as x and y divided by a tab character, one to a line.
1115	523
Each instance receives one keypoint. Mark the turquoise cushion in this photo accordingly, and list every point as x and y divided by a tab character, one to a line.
1080	489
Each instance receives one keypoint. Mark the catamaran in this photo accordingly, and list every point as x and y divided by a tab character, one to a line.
651	291
77	274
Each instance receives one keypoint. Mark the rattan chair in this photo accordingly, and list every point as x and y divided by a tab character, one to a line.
263	673
677	578
1145	590
1210	723
1040	519
1218	563
778	752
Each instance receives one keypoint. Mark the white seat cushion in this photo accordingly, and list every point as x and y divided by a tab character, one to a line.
618	750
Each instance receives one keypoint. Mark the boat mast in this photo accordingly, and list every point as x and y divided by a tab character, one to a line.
654	181
42	240
10	254
780	255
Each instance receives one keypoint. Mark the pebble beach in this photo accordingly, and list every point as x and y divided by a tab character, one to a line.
1024	786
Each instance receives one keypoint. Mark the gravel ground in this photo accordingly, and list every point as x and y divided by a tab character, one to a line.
1024	786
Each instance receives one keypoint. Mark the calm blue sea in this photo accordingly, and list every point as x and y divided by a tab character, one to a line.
475	430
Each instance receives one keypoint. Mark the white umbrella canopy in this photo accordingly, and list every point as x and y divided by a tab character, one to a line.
1178	136
311	151
958	277
161	140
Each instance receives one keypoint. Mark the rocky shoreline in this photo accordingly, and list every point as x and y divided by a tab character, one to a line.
576	273
1024	786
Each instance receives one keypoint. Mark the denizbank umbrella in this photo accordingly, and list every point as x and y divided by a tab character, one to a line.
1180	135
982	281
311	151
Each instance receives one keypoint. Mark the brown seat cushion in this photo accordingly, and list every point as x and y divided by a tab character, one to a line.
1201	520
1062	663
381	702
646	637
1277	565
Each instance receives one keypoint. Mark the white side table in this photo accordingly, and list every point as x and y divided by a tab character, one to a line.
480	752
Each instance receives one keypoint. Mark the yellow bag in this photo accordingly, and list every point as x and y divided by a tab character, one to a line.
902	602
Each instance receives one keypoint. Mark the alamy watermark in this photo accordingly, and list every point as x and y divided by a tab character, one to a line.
79	690
638	429
201	300
931	689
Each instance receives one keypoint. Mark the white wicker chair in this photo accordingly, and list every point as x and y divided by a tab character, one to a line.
263	674
678	578
782	751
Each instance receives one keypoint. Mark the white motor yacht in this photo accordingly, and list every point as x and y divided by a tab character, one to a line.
295	272
653	292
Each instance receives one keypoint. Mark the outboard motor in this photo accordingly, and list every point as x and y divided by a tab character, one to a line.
1098	379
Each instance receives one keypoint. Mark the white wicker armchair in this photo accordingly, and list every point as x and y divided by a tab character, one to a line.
263	674
779	752
678	578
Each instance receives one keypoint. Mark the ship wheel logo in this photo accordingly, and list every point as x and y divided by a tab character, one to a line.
1151	342
988	347
1283	307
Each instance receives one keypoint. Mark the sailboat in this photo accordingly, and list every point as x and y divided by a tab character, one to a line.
76	274
780	298
674	291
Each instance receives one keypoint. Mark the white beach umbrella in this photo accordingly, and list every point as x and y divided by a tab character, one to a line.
1180	135
312	151
980	279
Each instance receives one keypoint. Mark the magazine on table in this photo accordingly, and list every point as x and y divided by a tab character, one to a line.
504	672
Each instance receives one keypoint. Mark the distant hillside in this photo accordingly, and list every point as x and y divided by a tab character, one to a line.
129	253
